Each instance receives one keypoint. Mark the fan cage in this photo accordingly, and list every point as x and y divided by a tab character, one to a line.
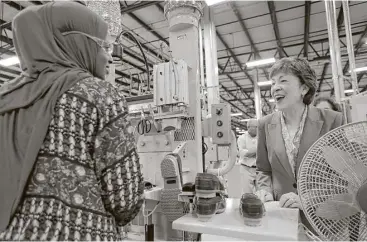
319	182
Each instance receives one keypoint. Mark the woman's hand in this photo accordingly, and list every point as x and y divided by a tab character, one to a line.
290	200
264	196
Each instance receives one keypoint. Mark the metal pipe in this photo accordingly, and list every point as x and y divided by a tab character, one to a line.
201	68
334	50
348	33
216	98
257	95
211	62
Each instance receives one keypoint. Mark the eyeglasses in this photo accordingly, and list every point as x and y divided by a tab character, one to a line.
108	47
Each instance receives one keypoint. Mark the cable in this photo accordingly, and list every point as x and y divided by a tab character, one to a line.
149	214
205	148
141	50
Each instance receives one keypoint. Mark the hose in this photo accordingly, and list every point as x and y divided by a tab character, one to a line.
231	161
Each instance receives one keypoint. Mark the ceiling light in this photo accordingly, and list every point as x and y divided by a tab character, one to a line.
349	91
213	2
245	120
360	69
236	114
260	62
265	83
10	61
271	100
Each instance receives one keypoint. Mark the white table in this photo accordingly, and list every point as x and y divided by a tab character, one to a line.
278	224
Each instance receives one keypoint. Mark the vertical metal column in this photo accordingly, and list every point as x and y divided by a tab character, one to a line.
183	18
334	50
211	61
203	90
350	48
257	96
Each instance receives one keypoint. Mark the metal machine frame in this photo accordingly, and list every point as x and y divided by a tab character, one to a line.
183	110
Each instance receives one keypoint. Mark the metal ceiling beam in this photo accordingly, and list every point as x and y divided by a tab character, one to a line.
244	28
124	75
15	72
4	25
247	33
231	78
134	7
133	65
248	97
6	51
360	77
274	20
235	123
321	80
159	6
239	86
306	28
132	54
236	107
14	5
317	54
128	10
144	46
6	40
237	62
234	57
37	2
231	94
356	50
120	73
148	28
318	41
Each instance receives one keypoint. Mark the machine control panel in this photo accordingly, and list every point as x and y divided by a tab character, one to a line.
221	124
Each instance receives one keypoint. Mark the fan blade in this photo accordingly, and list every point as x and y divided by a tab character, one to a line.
350	168
337	208
345	197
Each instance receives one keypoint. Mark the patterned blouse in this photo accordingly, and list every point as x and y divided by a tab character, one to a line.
87	179
292	143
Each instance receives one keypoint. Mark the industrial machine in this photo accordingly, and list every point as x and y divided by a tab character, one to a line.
179	131
183	132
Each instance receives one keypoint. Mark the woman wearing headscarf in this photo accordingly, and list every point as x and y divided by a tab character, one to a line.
285	136
69	169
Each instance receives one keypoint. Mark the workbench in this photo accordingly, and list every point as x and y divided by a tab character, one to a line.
278	223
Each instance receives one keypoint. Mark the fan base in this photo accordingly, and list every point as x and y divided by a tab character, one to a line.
362	197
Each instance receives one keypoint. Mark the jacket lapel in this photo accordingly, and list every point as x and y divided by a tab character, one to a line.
277	142
311	133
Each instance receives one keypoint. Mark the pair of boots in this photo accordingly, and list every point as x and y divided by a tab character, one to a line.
210	196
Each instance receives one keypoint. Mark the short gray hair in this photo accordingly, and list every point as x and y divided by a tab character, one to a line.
301	69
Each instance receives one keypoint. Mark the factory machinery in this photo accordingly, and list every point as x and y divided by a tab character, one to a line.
183	132
184	136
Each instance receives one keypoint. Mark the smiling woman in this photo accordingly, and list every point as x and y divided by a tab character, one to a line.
285	136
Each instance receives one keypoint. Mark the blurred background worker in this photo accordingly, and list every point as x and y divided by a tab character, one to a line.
247	145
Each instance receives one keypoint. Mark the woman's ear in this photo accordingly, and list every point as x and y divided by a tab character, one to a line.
305	89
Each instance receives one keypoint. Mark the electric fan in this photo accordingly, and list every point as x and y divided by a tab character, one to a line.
332	184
